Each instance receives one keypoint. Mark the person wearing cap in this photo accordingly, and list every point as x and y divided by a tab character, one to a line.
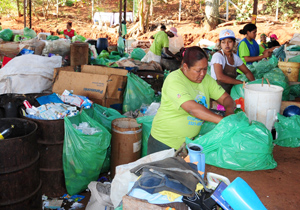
273	42
248	49
161	41
69	32
263	41
185	103
224	63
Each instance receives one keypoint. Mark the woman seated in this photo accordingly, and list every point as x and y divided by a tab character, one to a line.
224	63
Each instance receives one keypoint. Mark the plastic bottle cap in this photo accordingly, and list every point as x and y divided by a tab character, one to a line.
238	106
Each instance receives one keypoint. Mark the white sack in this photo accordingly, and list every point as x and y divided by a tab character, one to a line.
28	74
100	199
119	185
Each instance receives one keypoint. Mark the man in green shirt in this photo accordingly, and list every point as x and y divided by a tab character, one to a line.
161	41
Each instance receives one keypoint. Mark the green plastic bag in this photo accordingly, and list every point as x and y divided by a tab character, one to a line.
78	38
83	155
277	77
19	38
237	91
6	34
294	92
288	130
51	37
295	59
238	145
103	115
147	125
29	32
137	54
121	46
103	54
207	127
137	92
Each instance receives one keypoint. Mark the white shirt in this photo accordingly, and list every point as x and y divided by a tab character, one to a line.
221	59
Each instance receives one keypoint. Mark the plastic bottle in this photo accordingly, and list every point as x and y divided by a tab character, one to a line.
5	131
238	109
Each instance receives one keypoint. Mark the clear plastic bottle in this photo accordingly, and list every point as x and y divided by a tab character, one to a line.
238	109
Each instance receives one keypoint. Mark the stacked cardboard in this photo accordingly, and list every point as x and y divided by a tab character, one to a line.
102	85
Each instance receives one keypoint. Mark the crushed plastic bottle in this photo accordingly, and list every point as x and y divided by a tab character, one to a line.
85	128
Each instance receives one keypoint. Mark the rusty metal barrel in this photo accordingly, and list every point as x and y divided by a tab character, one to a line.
126	142
50	138
19	167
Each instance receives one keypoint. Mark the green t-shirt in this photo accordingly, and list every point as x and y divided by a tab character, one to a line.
244	51
161	40
172	124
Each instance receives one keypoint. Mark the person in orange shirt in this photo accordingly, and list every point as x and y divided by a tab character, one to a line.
69	32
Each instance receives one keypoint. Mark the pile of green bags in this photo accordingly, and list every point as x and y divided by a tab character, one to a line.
236	144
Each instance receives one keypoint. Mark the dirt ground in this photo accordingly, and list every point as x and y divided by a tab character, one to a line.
278	189
191	25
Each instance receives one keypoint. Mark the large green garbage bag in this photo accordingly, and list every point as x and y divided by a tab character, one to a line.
277	77
51	37
137	54
83	155
288	130
295	59
238	145
206	127
294	92
103	54
237	91
264	66
104	116
78	38
6	34
29	32
19	38
136	93
147	125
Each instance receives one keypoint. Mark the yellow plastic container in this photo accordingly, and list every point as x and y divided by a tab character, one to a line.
290	69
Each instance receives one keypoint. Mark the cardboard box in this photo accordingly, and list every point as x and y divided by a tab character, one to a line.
117	79
96	82
116	104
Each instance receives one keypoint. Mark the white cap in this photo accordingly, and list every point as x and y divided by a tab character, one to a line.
238	106
227	33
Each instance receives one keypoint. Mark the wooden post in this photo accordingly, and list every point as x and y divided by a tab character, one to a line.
92	9
277	7
254	14
179	18
120	19
125	7
30	22
25	13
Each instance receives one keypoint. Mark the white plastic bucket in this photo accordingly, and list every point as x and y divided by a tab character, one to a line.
262	103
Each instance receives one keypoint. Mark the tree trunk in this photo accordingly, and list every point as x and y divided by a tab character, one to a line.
211	14
141	15
18	6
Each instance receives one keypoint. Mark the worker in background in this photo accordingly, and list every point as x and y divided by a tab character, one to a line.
248	49
185	103
161	41
69	32
263	41
224	63
273	42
